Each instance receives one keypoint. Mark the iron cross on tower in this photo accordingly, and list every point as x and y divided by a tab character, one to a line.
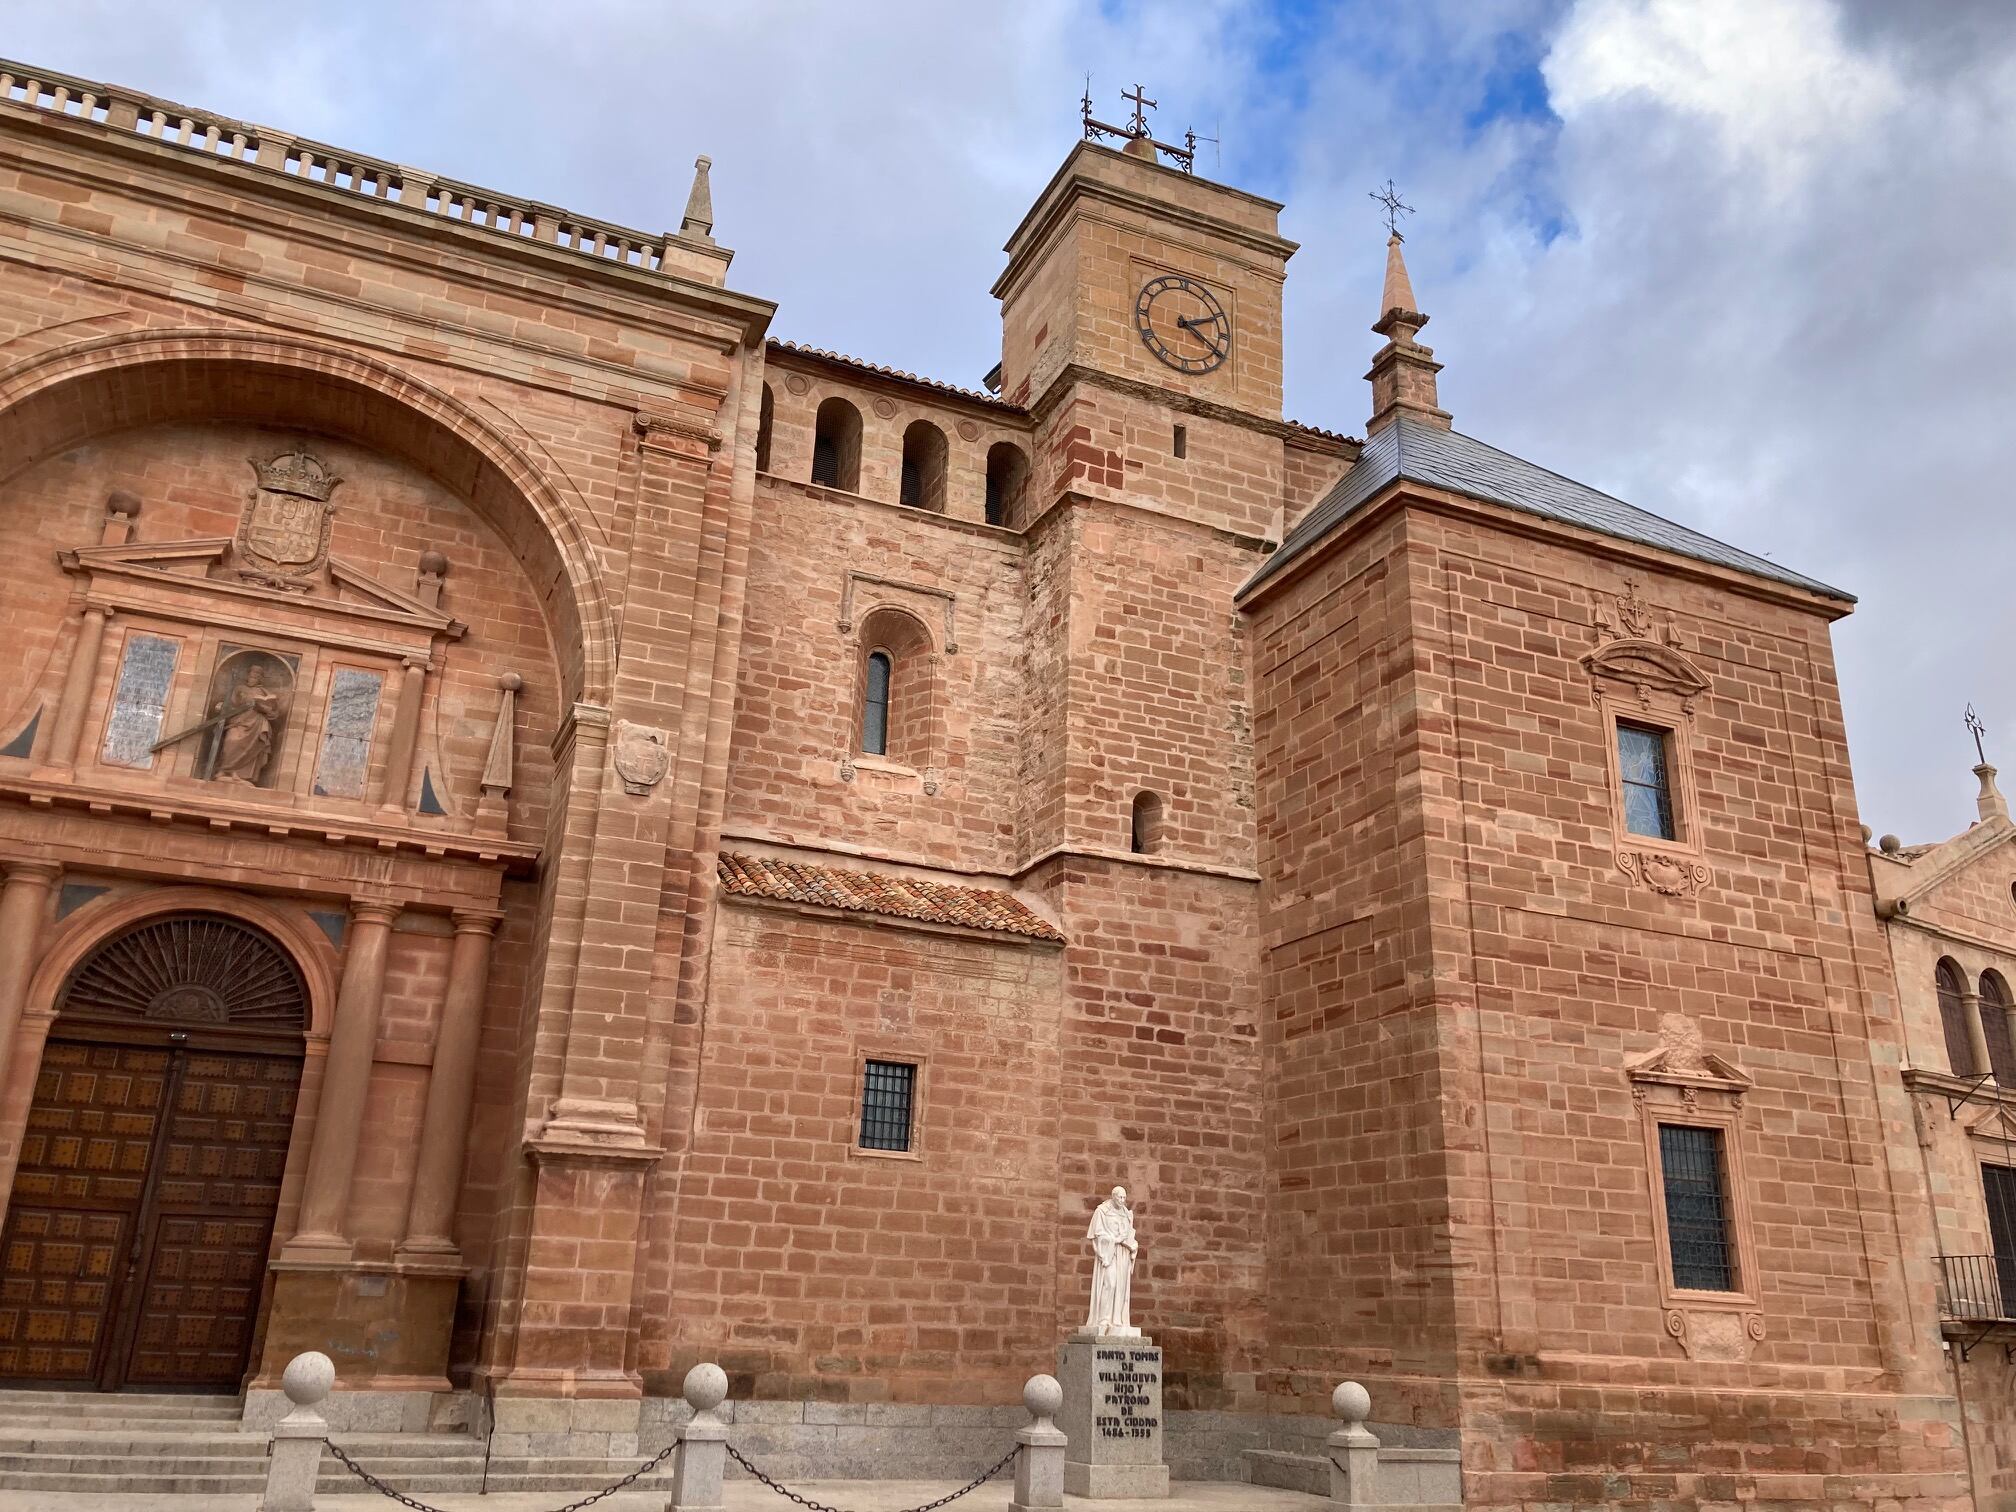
1142	105
1394	206
1977	730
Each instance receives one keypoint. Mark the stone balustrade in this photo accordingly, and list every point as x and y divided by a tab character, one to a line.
163	121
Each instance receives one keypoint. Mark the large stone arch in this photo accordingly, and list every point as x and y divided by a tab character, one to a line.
97	386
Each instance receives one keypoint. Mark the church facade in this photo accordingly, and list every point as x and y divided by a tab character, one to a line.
549	836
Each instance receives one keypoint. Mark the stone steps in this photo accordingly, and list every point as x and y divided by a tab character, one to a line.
557	1474
165	1443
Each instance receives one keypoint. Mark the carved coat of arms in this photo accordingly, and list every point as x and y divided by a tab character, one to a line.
283	540
641	757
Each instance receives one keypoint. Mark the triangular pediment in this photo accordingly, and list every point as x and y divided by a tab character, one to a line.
191	567
1681	1060
1647	664
378	595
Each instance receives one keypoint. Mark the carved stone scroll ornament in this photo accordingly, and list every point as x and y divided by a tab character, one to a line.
1673	876
283	539
641	757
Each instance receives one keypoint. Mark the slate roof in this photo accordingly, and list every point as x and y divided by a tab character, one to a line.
1417	452
876	893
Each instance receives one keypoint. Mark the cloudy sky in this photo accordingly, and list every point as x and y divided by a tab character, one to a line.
1744	262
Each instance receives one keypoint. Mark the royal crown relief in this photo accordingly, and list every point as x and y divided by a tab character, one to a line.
260	663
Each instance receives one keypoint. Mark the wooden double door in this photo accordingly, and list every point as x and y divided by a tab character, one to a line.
136	1240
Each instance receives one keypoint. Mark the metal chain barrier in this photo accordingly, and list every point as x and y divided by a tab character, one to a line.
931	1506
574	1506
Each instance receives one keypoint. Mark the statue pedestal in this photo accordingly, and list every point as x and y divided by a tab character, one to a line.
1112	1417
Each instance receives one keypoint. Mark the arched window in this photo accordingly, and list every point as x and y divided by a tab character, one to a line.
1144	835
1007	472
1995	1026
897	683
766	419
1953	1019
924	466
836	446
875	703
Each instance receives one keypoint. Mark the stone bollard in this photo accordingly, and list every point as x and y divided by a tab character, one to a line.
702	1457
1352	1450
296	1449
1039	1468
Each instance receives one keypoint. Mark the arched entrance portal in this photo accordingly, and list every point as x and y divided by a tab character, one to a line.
137	1235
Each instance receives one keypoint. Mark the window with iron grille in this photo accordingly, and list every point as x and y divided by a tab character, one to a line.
888	1097
1697	1208
1648	789
1952	995
1994	1009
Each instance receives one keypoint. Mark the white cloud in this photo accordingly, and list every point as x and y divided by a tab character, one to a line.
1773	80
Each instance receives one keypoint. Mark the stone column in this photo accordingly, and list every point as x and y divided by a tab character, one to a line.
405	735
1977	1033
78	680
1352	1450
451	1087
701	1461
24	898
1039	1468
294	1456
339	1120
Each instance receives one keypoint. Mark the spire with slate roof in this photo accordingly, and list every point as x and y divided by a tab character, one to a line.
1403	374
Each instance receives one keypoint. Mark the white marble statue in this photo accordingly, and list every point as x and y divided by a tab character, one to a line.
1114	1249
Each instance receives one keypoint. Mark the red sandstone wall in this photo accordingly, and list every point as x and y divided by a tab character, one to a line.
808	1268
1358	1279
1549	969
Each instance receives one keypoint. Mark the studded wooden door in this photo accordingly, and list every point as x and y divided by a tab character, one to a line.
142	1211
77	1198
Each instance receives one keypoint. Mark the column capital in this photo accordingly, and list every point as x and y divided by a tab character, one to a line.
483	921
44	872
375	910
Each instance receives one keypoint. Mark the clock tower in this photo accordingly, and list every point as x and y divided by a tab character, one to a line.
1141	329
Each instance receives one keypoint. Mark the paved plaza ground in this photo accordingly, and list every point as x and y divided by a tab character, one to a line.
742	1496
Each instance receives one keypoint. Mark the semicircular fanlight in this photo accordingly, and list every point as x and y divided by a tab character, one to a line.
190	969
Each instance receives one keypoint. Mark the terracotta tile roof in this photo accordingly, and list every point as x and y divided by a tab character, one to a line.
843	360
872	892
1317	430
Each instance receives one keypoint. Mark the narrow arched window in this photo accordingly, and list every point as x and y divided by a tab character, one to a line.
1144	835
924	466
1995	1027
1953	1019
836	446
875	705
766	421
1007	472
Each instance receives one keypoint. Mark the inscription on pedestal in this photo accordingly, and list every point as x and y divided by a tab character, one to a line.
1128	1401
1112	1417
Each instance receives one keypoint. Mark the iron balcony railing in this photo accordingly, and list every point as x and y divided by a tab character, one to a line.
1977	1288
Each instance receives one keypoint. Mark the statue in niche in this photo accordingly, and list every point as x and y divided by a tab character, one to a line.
1114	1250
250	697
251	715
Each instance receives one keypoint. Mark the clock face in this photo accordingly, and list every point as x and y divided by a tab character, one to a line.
1182	323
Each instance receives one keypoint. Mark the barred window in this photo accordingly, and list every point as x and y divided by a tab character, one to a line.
888	1094
1648	789
1697	1208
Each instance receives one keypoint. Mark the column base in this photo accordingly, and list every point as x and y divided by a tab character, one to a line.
306	1250
379	1326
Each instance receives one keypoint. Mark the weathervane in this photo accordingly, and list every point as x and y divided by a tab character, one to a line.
1395	207
1136	129
1977	730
